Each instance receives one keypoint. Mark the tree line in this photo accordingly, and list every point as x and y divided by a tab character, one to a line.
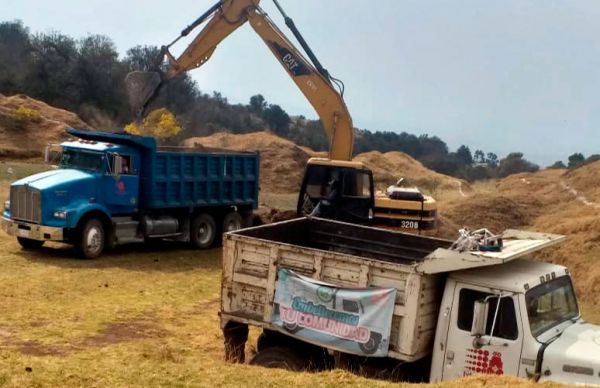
86	76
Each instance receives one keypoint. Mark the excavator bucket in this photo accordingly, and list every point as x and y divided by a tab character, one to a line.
141	87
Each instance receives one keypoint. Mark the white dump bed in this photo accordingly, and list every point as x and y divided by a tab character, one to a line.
354	256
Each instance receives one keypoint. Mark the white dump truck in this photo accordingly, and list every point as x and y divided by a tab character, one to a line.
453	313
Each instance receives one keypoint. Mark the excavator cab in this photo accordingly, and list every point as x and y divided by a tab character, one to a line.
339	190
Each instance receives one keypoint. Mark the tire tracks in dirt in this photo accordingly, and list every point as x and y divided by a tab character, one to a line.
579	197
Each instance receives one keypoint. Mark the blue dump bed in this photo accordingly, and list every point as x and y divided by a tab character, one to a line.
189	178
185	177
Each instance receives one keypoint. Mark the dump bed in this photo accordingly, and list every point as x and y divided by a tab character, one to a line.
351	256
184	177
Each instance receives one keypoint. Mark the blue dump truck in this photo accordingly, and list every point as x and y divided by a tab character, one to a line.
114	188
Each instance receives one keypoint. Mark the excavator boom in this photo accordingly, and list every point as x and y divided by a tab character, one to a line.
225	17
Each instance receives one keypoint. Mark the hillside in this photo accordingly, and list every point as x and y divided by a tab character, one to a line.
556	201
27	125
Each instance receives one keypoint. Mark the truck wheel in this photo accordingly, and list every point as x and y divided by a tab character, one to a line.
92	238
203	231
232	221
279	357
28	243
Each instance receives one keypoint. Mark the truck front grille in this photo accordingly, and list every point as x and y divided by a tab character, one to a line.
25	204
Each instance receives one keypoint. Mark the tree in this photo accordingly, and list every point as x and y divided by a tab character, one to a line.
258	104
492	159
479	156
576	160
558	164
100	74
142	58
514	163
15	56
53	77
277	119
592	158
160	123
463	153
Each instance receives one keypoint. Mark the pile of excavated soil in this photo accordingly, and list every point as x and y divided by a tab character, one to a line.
558	201
390	166
281	161
27	138
495	213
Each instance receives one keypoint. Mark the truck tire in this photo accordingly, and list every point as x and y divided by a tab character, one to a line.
203	231
30	244
279	357
232	221
91	239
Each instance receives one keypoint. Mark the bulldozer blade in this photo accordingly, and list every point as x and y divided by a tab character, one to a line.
141	87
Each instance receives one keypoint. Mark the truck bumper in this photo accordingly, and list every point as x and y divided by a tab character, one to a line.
32	231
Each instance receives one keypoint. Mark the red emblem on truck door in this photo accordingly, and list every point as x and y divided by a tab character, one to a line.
480	361
495	365
120	185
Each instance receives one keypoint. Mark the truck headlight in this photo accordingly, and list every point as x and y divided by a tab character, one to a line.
60	214
7	205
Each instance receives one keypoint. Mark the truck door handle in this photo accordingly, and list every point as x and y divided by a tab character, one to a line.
450	355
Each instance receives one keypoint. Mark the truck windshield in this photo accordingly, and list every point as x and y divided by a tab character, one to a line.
550	304
82	160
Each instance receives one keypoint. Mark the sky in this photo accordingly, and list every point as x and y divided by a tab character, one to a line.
501	76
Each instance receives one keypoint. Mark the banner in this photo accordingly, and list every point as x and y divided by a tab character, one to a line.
351	320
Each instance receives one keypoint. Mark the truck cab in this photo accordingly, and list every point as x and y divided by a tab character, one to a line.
92	178
520	318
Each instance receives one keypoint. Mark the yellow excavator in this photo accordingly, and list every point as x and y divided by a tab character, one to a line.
334	187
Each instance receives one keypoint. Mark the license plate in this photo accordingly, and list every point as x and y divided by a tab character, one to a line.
23	232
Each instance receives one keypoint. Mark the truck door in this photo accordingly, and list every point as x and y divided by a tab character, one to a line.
122	184
491	354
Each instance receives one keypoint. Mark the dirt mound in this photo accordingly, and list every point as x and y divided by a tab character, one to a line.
554	201
267	216
585	180
496	213
27	125
281	161
390	166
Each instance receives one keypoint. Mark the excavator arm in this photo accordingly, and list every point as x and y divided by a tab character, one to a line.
225	17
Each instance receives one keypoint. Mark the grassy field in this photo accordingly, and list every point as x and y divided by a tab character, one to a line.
139	316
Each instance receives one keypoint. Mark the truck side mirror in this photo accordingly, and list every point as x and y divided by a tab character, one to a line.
480	314
116	165
52	154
